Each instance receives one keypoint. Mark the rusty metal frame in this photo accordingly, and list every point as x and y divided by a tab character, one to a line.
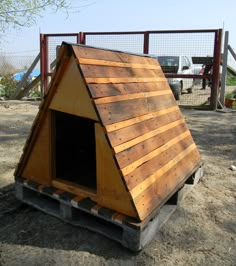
81	38
45	74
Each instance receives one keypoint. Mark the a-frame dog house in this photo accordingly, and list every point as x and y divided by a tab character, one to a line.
110	131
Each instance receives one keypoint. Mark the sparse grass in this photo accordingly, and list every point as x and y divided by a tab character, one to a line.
231	80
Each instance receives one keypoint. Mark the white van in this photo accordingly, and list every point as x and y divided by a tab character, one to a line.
178	65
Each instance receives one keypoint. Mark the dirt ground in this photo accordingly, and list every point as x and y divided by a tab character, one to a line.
201	232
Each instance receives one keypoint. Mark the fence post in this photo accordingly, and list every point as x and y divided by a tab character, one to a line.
43	63
224	69
216	68
146	43
82	38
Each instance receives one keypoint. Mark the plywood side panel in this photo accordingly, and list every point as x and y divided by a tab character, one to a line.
133	131
72	96
37	167
104	90
111	113
156	195
111	190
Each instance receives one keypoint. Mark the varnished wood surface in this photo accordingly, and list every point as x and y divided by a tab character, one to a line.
111	113
144	126
144	149
95	62
74	188
136	152
72	96
111	189
167	183
113	89
103	54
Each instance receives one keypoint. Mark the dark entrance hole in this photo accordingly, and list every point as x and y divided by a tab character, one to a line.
75	149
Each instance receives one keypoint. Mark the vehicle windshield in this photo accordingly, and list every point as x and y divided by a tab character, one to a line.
168	60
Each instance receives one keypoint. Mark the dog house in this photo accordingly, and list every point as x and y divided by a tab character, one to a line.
109	144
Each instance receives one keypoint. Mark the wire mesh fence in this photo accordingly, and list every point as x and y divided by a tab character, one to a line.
188	46
12	64
132	42
52	43
179	44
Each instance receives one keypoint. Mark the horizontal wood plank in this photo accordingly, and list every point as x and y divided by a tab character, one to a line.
100	54
149	168
104	90
119	72
100	62
152	179
130	168
131	96
124	80
157	194
133	131
111	113
139	119
136	152
148	135
74	188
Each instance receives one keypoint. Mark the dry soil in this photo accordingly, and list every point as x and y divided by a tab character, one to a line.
201	232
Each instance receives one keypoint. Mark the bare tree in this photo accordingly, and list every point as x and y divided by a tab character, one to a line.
23	13
6	68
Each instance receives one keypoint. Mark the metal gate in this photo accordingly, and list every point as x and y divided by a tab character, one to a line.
201	47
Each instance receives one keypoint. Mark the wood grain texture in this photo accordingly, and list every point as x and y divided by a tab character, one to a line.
152	178
72	96
144	126
113	89
124	80
146	136
130	168
37	167
108	55
135	120
136	152
111	113
96	62
132	96
148	169
74	189
119	72
156	195
111	189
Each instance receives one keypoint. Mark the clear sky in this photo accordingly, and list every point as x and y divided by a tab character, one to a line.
127	15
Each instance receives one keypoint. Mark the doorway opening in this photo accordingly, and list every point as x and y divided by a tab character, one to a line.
75	149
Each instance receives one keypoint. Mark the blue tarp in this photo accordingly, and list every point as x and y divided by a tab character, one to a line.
20	75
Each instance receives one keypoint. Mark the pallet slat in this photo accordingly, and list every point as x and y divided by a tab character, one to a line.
156	195
130	168
126	97
111	113
123	80
136	152
135	130
100	62
151	179
135	120
146	136
113	89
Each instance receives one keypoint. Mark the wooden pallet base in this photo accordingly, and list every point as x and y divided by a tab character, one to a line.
85	213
